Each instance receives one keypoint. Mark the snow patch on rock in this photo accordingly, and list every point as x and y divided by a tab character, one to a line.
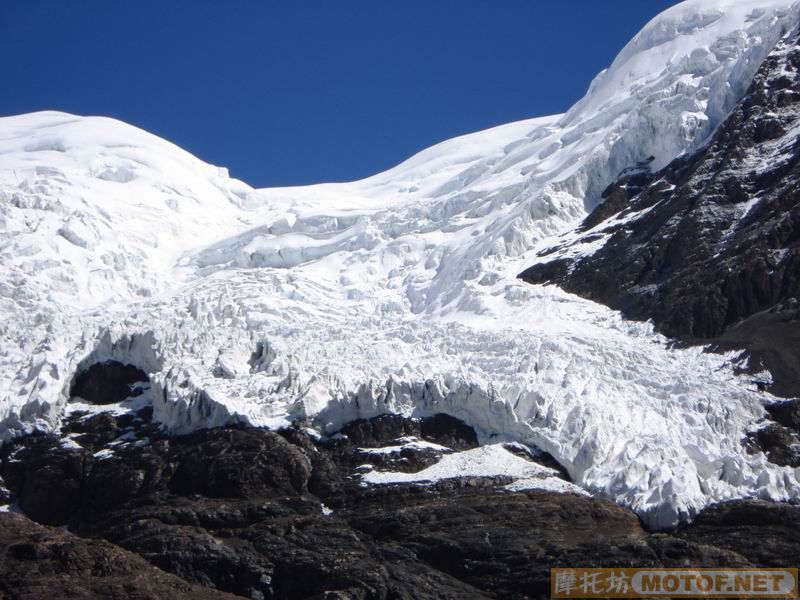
486	461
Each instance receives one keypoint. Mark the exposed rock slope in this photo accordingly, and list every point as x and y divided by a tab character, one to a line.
286	515
708	247
44	562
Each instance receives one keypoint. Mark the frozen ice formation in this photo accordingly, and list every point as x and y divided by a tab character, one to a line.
397	293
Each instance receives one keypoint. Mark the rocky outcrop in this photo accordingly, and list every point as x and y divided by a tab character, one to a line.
780	439
713	239
43	562
265	514
108	382
763	533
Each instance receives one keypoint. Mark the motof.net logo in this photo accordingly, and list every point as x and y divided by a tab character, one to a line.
673	583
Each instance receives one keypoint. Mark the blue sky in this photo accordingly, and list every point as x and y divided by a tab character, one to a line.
294	92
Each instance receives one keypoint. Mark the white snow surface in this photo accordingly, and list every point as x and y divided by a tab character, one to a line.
406	443
397	293
490	460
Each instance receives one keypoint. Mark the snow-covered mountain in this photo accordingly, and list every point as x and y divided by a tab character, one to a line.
397	293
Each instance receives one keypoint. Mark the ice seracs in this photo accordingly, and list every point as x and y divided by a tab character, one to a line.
396	293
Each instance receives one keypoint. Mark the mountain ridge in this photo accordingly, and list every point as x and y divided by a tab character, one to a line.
710	240
396	294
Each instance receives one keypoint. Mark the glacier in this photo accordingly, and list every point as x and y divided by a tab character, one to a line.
397	293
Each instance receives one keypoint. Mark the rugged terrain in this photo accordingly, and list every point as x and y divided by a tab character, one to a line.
708	247
286	514
399	293
349	390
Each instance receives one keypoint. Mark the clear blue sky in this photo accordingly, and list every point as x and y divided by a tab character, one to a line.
301	91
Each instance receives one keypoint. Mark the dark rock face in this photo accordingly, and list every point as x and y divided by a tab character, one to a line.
781	445
786	413
40	562
763	533
230	508
772	341
268	514
237	464
780	440
108	382
712	239
504	544
445	429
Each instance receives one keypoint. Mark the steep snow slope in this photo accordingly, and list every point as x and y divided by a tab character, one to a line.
395	293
